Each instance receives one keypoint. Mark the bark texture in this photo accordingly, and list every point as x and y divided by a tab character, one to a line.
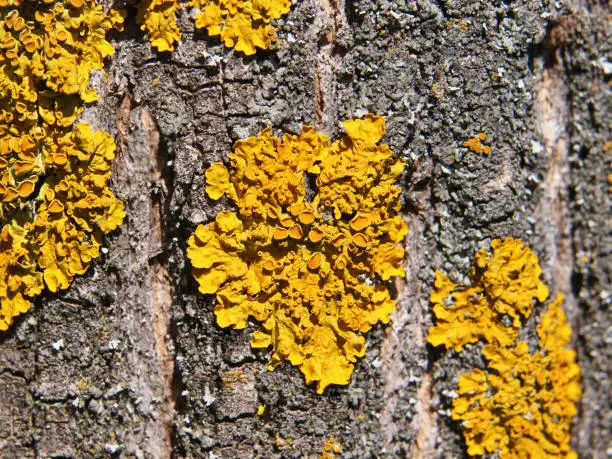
129	362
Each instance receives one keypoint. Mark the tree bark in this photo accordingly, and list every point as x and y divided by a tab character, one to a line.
129	362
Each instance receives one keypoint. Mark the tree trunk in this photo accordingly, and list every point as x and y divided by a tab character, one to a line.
129	361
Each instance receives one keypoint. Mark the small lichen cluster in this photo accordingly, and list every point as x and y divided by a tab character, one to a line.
475	144
309	270
523	403
331	449
242	25
54	199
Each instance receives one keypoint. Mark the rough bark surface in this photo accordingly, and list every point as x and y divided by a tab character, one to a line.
129	362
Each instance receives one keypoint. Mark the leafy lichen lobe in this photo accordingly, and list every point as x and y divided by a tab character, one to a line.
242	25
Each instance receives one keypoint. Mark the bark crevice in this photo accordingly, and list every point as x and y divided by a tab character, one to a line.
331	17
553	115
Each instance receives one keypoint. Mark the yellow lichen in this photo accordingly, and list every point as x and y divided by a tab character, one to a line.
331	449
475	144
501	295
54	200
158	19
242	25
523	404
83	384
232	377
19	278
282	442
309	271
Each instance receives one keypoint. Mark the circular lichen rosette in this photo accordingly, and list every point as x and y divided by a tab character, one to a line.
310	271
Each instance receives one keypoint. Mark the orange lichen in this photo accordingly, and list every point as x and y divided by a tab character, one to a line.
475	144
331	449
232	377
243	25
54	199
282	442
501	295
158	19
523	405
309	270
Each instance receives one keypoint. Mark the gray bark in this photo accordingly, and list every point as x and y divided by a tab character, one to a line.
123	363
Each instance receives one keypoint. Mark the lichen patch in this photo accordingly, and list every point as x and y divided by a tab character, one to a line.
503	288
522	404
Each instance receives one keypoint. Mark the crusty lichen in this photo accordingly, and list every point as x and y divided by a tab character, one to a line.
475	144
54	198
503	287
242	25
523	404
309	271
158	19
331	449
